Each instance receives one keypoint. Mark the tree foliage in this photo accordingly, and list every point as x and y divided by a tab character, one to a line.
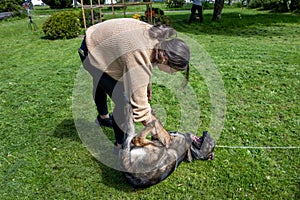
13	6
295	6
95	2
175	3
59	4
10	5
273	5
276	5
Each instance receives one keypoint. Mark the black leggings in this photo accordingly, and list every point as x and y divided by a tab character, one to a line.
193	12
115	89
104	85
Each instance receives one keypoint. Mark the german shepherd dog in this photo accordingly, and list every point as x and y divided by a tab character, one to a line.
147	162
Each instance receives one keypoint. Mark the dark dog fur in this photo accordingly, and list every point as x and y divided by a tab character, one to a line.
148	162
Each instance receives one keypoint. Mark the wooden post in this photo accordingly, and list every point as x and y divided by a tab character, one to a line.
112	8
147	3
100	11
92	12
151	11
124	8
83	15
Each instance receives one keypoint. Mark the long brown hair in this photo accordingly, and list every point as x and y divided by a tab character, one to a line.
177	51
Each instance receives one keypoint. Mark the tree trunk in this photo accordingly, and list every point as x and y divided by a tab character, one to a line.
295	4
218	10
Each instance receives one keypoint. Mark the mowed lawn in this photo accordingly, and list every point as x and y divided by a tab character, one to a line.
257	54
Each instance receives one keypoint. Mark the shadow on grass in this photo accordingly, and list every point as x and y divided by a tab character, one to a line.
67	129
111	177
115	179
237	24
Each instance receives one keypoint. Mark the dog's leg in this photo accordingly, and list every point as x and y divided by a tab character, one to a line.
141	140
189	157
162	135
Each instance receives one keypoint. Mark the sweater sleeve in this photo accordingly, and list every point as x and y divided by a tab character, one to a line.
140	106
138	76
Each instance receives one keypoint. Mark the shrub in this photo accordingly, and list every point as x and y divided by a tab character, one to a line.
255	4
62	25
274	5
207	5
157	17
13	6
175	3
58	4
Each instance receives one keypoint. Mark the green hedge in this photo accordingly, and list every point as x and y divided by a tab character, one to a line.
62	25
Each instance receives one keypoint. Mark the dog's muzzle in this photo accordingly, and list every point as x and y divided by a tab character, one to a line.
203	148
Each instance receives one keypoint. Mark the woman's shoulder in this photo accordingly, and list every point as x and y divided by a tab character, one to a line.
119	23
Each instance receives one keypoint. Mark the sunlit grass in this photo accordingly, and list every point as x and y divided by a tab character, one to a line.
257	54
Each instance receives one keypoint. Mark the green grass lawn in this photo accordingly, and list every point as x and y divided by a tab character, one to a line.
258	56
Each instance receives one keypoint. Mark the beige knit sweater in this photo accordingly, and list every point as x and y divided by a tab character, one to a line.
122	48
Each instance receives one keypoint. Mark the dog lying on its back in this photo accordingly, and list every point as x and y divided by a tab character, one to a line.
148	162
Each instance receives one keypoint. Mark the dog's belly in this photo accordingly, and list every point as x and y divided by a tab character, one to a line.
148	165
148	168
147	157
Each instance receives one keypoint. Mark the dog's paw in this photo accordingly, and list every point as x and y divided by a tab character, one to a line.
141	142
137	141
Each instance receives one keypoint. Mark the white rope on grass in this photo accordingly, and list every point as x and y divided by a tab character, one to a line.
255	147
